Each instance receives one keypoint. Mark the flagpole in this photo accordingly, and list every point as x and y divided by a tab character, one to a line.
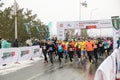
15	19
80	15
80	10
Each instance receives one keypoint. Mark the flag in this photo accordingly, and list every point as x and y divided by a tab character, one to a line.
116	22
50	29
27	27
37	28
45	29
50	24
84	4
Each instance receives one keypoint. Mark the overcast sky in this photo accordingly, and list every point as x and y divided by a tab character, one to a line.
69	10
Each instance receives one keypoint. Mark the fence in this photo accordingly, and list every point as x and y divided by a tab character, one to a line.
13	55
110	67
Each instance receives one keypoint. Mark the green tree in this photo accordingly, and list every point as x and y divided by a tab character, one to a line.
7	23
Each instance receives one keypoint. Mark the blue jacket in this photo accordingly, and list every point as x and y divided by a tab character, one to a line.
5	44
118	43
35	43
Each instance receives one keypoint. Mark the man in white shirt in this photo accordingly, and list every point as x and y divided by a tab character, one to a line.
29	42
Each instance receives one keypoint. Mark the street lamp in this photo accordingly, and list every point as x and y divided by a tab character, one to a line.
80	10
15	13
91	14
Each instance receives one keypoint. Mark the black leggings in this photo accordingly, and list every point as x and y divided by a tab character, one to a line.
91	55
45	55
60	55
78	53
96	54
51	57
71	55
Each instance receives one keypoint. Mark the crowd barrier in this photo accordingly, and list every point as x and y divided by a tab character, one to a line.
13	55
110	67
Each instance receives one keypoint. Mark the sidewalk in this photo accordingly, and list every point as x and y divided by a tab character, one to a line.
15	66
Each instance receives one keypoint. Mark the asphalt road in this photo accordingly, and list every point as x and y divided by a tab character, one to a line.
40	71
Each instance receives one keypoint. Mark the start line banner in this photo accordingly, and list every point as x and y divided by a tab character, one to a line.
12	55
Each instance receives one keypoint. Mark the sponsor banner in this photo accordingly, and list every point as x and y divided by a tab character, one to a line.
60	34
108	73
116	29
25	53
118	64
105	23
89	23
60	30
116	36
79	25
1	55
66	25
61	26
116	22
36	51
9	55
91	27
69	25
104	72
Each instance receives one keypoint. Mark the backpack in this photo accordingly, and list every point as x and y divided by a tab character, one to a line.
60	48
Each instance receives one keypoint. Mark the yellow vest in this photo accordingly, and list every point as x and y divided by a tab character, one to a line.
82	45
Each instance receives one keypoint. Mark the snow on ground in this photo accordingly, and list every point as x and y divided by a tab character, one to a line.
14	67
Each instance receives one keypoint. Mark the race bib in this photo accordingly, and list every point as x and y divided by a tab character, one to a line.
71	49
44	47
105	47
79	46
50	48
100	45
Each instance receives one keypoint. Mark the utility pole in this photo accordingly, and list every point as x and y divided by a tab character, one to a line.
15	13
91	14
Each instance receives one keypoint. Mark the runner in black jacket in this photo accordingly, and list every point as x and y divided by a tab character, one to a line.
51	48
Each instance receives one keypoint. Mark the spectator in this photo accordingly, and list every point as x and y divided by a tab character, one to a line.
0	42
29	42
39	43
5	44
35	42
15	44
118	43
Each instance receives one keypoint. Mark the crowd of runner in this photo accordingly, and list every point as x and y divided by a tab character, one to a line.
82	48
